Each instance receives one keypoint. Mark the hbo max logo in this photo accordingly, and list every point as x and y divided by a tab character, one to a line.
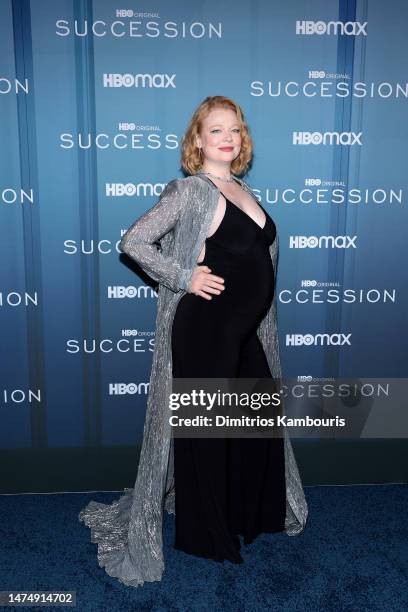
120	292
324	242
162	81
318	339
348	28
327	138
131	189
128	388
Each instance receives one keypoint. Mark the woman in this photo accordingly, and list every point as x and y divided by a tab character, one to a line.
196	221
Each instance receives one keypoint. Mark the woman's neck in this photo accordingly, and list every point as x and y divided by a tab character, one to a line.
218	171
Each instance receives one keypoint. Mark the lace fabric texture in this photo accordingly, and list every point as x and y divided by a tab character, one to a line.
128	532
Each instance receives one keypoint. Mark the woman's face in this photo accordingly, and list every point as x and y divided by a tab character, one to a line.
220	136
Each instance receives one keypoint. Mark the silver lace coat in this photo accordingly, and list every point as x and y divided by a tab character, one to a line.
129	531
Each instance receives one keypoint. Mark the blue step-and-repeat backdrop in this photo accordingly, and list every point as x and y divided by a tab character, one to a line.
94	100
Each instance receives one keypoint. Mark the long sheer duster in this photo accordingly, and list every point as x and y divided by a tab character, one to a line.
128	532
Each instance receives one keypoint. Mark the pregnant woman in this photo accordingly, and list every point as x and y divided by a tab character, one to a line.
226	487
216	318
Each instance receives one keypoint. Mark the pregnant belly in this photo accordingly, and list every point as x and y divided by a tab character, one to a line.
249	283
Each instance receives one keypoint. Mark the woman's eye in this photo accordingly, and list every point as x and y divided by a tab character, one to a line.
217	130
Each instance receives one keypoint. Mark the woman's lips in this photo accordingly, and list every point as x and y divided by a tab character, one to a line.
226	148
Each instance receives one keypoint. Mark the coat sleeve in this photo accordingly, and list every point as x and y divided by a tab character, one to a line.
137	242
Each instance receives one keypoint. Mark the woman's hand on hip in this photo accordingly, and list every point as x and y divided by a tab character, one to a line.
203	283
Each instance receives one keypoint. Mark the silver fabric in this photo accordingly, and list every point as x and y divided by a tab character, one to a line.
129	531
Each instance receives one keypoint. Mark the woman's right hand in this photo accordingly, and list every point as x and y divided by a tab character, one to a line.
203	283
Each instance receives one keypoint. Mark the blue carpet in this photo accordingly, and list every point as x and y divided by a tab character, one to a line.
352	556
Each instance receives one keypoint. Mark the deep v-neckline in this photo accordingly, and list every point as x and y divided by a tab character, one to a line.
203	176
228	201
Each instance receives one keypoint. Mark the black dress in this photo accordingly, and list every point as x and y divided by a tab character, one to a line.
226	487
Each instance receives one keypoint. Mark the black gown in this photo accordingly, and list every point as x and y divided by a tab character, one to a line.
227	487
